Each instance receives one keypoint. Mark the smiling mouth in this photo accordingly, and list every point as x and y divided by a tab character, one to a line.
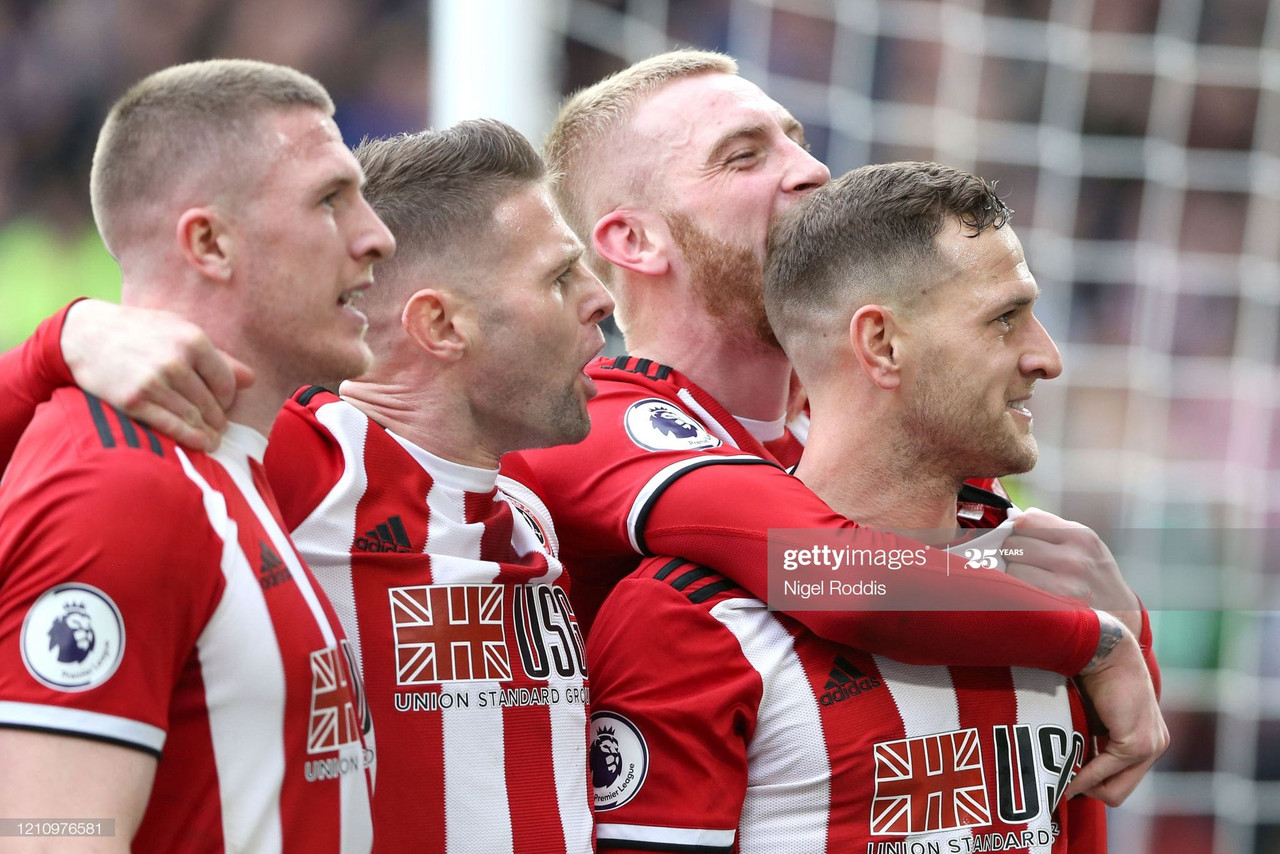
349	298
1019	406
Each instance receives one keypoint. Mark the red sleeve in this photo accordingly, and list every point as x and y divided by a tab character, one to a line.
693	519
1146	642
98	541
675	699
29	373
302	461
614	500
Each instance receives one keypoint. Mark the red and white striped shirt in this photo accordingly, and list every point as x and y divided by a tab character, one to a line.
722	726
450	588
149	597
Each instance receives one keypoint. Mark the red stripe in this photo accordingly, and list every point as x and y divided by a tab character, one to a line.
408	802
535	813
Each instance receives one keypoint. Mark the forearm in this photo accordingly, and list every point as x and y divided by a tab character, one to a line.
1018	624
29	374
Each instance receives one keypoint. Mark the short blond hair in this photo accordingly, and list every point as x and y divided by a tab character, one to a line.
578	146
186	124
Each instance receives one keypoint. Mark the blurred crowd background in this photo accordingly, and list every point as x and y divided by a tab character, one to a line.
1137	140
63	62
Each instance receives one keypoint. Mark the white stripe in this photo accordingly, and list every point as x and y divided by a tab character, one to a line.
669	835
252	638
569	761
454	544
788	749
476	810
1042	699
244	687
927	704
664	476
712	425
477	814
79	721
325	537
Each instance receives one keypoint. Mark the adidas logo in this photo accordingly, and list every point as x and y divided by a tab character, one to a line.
271	569
390	536
845	681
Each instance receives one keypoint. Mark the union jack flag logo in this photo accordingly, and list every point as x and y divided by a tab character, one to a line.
934	782
449	633
334	722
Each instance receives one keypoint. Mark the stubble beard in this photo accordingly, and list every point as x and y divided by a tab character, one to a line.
948	431
729	283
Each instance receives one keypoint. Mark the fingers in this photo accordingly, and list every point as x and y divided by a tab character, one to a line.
1108	778
196	397
196	434
1050	582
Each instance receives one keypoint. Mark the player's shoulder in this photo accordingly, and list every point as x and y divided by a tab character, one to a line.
76	431
308	400
81	454
657	407
692	582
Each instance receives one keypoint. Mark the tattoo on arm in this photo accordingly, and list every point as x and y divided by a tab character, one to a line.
1110	633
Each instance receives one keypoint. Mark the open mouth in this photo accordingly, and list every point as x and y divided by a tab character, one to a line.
1020	406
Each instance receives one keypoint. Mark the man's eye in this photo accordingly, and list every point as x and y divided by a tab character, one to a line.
742	157
1006	319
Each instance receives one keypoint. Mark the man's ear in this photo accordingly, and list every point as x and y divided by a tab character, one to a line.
875	337
635	240
206	243
441	322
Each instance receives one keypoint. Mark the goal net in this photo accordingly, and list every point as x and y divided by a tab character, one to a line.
1139	143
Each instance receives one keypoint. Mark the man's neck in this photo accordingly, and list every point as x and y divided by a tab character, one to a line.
427	416
861	475
750	381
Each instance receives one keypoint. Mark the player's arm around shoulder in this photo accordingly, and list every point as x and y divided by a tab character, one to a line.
103	595
674	708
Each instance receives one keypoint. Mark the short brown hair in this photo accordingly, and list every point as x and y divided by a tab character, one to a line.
184	126
436	190
865	237
580	142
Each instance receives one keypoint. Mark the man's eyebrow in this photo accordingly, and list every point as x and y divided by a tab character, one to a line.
753	133
791	127
573	252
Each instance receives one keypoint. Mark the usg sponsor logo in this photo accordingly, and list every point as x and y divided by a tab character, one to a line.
657	425
619	760
73	637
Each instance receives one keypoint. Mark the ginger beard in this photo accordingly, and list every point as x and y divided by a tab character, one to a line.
729	282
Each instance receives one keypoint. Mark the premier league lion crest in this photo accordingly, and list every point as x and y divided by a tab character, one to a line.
73	637
619	760
657	425
72	634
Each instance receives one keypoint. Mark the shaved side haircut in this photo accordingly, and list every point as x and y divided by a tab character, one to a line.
437	189
183	137
866	237
584	142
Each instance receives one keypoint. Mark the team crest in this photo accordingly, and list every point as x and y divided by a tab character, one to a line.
73	638
657	425
449	633
619	760
335	715
929	783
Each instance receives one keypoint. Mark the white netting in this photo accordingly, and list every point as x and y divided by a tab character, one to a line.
1139	142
